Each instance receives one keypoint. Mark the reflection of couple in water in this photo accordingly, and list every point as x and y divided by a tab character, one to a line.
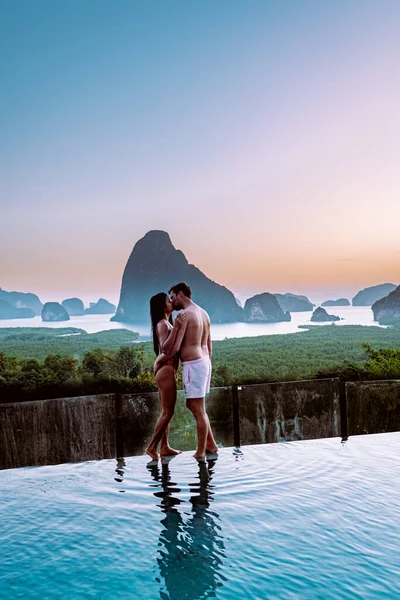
191	550
188	339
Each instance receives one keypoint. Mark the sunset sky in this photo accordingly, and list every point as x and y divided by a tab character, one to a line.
264	136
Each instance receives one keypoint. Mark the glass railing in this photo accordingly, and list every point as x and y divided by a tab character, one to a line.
95	427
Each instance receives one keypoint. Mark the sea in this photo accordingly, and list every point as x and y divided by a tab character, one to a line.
349	315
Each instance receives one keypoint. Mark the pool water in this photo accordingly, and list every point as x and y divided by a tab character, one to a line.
308	519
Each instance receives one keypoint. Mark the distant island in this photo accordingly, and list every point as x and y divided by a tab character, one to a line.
21	300
339	302
54	311
73	306
264	308
387	310
372	294
294	303
154	266
22	305
101	307
7	311
321	316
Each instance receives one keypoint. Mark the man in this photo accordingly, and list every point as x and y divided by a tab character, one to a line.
193	341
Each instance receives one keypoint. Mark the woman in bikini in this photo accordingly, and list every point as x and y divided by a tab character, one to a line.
161	309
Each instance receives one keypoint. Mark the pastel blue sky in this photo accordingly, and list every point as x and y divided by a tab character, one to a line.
264	136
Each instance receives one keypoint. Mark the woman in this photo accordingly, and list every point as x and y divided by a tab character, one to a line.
162	327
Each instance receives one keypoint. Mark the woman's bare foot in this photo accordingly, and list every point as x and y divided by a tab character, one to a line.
168	451
213	450
152	453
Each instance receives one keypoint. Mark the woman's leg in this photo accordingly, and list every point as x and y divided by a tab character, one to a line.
165	448
164	440
166	383
211	445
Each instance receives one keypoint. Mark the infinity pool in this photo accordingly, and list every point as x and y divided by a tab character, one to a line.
310	519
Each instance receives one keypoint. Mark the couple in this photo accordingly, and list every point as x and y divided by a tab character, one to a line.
189	339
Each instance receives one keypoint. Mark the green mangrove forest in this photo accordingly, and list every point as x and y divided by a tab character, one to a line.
39	363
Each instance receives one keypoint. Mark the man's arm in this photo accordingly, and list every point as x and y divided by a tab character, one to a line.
172	350
209	343
169	350
170	342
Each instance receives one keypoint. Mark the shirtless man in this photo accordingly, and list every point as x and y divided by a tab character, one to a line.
193	342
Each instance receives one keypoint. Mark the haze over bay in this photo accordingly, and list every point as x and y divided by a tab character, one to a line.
350	315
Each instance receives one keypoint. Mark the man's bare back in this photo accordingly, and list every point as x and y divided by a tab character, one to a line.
197	333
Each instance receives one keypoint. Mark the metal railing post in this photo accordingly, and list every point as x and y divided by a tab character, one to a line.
119	425
235	416
343	410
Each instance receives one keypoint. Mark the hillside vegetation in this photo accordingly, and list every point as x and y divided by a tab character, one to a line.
38	342
49	363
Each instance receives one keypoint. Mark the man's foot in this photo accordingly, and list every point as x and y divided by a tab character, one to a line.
152	453
212	450
165	460
199	457
168	451
212	456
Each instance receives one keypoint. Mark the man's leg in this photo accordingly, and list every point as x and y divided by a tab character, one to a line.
211	445
197	407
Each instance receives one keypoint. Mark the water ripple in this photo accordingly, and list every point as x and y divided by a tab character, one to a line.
314	519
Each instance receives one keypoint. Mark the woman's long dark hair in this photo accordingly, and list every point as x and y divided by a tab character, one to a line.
157	314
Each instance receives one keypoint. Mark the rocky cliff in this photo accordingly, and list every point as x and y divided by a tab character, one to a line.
22	300
293	303
264	308
53	311
387	309
369	295
101	307
154	266
321	316
7	311
339	302
73	306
